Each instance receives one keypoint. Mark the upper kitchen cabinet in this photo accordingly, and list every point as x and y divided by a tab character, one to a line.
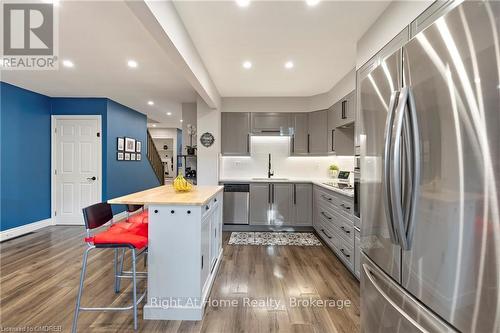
332	125
318	128
235	133
300	123
346	114
270	122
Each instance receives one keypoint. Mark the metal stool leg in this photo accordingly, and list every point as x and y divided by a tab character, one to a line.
134	278
120	272
80	289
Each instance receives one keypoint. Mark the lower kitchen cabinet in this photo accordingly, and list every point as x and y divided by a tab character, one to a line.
333	222
302	204
281	204
260	203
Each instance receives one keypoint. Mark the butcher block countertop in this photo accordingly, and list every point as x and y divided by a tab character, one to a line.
166	195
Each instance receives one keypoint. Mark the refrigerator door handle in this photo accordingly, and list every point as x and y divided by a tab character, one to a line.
414	169
387	176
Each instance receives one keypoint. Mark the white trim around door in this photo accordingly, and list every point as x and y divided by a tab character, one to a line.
54	157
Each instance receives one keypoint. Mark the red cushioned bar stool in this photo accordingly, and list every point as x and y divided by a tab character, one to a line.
116	237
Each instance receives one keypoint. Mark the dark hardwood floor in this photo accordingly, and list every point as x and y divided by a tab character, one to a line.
39	278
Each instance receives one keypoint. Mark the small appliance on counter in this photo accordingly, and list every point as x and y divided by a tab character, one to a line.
342	182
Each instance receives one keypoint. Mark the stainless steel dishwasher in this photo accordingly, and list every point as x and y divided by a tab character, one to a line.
236	203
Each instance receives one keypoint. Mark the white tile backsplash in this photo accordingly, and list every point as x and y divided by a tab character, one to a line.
312	167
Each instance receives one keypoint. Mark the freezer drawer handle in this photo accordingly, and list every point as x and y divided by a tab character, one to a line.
371	276
329	237
328	217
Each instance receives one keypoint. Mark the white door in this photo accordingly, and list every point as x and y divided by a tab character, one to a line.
77	160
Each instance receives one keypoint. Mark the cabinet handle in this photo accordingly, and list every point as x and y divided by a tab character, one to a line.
333	140
345	206
328	217
294	194
344	104
293	143
248	143
326	198
206	207
345	254
345	230
272	197
201	262
308	143
329	237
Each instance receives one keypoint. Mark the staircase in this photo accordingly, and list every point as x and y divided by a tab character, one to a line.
155	160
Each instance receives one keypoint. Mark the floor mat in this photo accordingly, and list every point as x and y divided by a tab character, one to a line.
274	238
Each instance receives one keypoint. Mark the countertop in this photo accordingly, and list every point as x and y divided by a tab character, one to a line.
318	182
166	195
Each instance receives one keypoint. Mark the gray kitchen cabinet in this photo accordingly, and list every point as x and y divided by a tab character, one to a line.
235	133
317	136
347	113
344	141
302	204
260	200
332	126
300	124
270	122
281	203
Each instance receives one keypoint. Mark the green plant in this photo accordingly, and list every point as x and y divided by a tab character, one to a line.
334	167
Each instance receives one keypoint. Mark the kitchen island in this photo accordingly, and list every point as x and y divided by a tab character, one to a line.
185	249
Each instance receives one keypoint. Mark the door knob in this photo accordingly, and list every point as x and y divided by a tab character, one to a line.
92	178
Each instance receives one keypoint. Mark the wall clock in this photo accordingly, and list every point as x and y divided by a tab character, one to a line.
207	139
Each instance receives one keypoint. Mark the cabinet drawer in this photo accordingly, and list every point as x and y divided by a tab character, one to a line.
346	207
346	230
325	197
346	253
327	233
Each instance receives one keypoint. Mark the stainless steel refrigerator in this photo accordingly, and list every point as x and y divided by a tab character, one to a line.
430	178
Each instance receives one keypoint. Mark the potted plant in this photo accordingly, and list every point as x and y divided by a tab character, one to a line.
334	170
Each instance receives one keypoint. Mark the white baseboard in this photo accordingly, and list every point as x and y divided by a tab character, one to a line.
24	229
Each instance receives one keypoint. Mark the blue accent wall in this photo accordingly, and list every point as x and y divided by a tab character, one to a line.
25	156
25	151
130	176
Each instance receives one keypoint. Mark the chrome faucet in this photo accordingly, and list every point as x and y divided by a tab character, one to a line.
270	172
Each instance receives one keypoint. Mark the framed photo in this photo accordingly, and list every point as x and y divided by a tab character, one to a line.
138	146
138	157
119	156
120	144
127	156
132	157
130	145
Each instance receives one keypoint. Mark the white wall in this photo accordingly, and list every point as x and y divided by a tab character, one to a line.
284	165
395	18
292	104
208	120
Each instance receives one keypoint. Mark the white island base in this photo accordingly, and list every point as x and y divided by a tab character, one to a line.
185	249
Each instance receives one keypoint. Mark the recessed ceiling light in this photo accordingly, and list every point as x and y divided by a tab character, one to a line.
312	3
132	64
169	113
247	64
68	63
182	120
154	125
289	64
243	3
151	103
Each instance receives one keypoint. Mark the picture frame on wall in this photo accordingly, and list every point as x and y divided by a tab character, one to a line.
119	156
132	156
129	145
127	156
138	146
138	157
120	144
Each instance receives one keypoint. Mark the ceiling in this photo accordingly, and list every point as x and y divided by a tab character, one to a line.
320	40
100	38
